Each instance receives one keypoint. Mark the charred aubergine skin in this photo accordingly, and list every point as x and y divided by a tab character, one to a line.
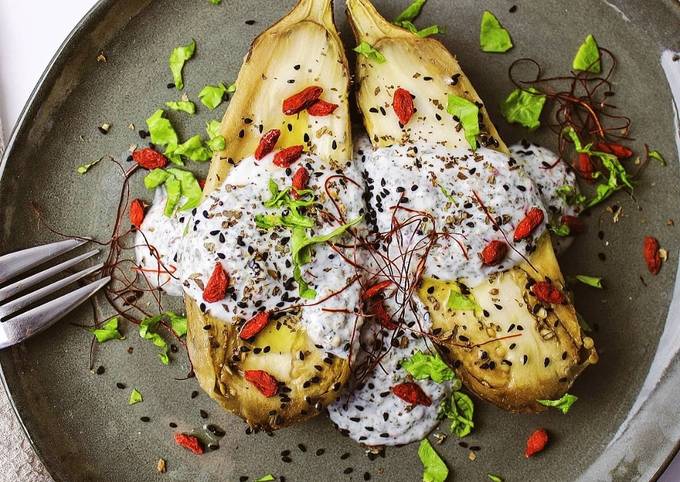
551	350
304	46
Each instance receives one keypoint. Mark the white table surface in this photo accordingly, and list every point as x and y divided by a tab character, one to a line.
24	53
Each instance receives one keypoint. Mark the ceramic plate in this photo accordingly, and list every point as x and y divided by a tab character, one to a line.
625	425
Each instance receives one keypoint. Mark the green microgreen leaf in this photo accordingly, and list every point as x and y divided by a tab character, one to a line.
563	404
424	366
216	2
367	50
562	230
193	149
107	332
492	36
147	331
178	57
135	397
494	478
587	57
83	168
460	301
182	106
410	13
303	287
524	107
468	115
434	468
266	478
460	410
594	281
656	155
161	130
178	183
177	322
212	95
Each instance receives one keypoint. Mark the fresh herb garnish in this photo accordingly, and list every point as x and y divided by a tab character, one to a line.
216	2
434	468
587	57
656	155
161	130
459	409
148	326
492	36
177	59
182	106
467	114
135	397
562	230
571	196
216	142
213	128
459	301
212	95
83	168
406	18
107	332
367	50
563	404
178	183
423	366
266	478
524	107
423	32
447	194
593	281
192	149
494	478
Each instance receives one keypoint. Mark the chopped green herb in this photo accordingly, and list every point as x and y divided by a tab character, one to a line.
656	155
268	477
178	183
213	128
563	404
447	194
303	287
217	143
410	13
83	168
571	196
492	36
562	230
212	95
524	107
587	58
182	106
459	301
367	50
434	468
424	32
147	331
107	332
189	186
193	149
301	244
593	281
467	114
216	2
494	478
422	366
135	397
177	59
161	130
459	409
178	323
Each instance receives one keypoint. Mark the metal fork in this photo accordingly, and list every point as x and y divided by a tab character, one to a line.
16	329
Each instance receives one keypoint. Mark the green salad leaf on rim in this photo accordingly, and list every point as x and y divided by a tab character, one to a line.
467	114
367	50
524	107
492	36
177	59
434	468
587	57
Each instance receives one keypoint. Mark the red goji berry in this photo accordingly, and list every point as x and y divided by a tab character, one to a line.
300	180
536	442
382	316
584	166
528	225
412	393
494	252
575	224
201	183
300	101
650	250
254	325
286	157
321	108
546	292
189	442
216	288
402	103
375	289
137	213
267	143
621	152
263	381
149	159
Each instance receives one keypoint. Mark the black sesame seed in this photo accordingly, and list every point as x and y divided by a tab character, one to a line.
145	419
171	85
203	413
243	478
120	385
250	22
302	448
100	370
172	425
320	452
367	476
348	470
285	453
286	460
513	9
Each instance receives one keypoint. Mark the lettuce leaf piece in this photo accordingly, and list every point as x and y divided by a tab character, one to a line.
367	50
135	397
593	281
147	331
424	366
189	188
468	115
107	332
410	13
177	322
460	410
161	130
155	178
182	106
193	149
212	95
178	57
492	36
301	244
524	107
563	404
494	478
587	57
217	143
459	301
218	2
213	128
83	168
656	155
562	230
303	288
434	468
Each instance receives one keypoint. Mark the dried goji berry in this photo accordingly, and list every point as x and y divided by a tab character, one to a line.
546	292
263	381
201	183
526	226
286	157
382	316
412	393
216	288
622	152
575	224
536	442
300	101
376	289
267	143
254	325
494	252
650	251
584	166
137	213
300	180
402	103
189	442
149	158
321	108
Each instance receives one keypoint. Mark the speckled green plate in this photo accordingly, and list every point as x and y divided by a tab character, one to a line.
627	421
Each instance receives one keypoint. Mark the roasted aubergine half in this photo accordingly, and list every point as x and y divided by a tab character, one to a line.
512	335
274	351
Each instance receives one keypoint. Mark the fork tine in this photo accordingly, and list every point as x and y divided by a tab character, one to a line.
41	317
16	263
34	296
21	285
